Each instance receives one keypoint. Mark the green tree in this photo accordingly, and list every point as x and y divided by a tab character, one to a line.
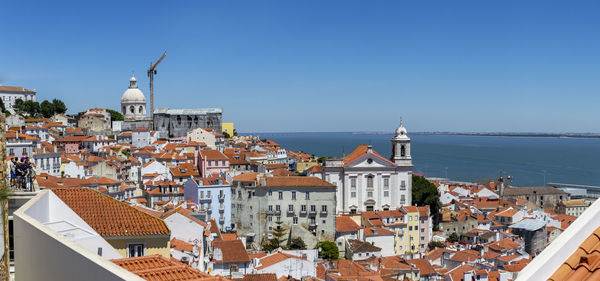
279	233
270	245
235	133
297	244
2	107
115	115
19	106
436	244
59	106
226	135
32	108
425	193
47	109
328	250
452	238
322	158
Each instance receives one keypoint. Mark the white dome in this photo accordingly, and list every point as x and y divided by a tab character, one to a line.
133	94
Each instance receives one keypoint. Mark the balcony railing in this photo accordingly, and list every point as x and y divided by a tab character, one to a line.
312	212
303	212
290	212
278	213
323	213
270	212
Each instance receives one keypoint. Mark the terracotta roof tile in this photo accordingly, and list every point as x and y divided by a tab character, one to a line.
108	216
274	259
584	263
345	224
159	268
232	250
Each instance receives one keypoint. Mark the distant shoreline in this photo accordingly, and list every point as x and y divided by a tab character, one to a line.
496	134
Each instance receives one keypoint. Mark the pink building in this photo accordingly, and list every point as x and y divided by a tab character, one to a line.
211	162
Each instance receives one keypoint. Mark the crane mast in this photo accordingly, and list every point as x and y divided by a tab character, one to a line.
151	73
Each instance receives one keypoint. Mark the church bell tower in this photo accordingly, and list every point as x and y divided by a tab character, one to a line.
401	147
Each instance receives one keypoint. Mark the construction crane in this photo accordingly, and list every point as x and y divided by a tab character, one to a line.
501	179
151	73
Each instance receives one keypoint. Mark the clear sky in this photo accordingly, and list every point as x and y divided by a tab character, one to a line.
277	66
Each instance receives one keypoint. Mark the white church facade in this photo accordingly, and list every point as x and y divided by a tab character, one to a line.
367	181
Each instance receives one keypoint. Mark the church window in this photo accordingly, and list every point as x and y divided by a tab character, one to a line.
386	194
402	151
370	181
386	182
369	160
403	185
353	182
353	194
141	109
131	109
370	194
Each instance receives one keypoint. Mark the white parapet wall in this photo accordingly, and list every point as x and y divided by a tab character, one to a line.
549	260
42	253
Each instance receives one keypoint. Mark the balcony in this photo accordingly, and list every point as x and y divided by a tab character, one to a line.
221	219
221	197
312	225
278	213
270	213
290	212
303	212
221	209
323	213
209	209
312	213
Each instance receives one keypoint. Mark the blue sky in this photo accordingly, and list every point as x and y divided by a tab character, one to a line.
320	65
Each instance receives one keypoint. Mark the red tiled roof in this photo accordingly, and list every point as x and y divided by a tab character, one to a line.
181	245
584	263
232	250
423	265
108	216
274	259
345	224
159	268
213	155
372	231
360	151
259	277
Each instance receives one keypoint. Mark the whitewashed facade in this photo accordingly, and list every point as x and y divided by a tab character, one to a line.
367	181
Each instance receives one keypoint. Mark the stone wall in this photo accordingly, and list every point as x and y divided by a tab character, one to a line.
176	126
3	167
4	262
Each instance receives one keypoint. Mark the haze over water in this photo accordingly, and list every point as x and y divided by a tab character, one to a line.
467	158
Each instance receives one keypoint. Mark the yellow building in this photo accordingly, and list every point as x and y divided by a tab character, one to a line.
227	128
409	242
128	230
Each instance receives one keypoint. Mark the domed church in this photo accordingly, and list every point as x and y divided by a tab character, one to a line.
133	102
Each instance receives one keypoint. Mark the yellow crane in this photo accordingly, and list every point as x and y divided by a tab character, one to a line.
151	73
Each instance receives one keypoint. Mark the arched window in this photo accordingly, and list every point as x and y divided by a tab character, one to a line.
402	151
141	109
370	181
132	109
